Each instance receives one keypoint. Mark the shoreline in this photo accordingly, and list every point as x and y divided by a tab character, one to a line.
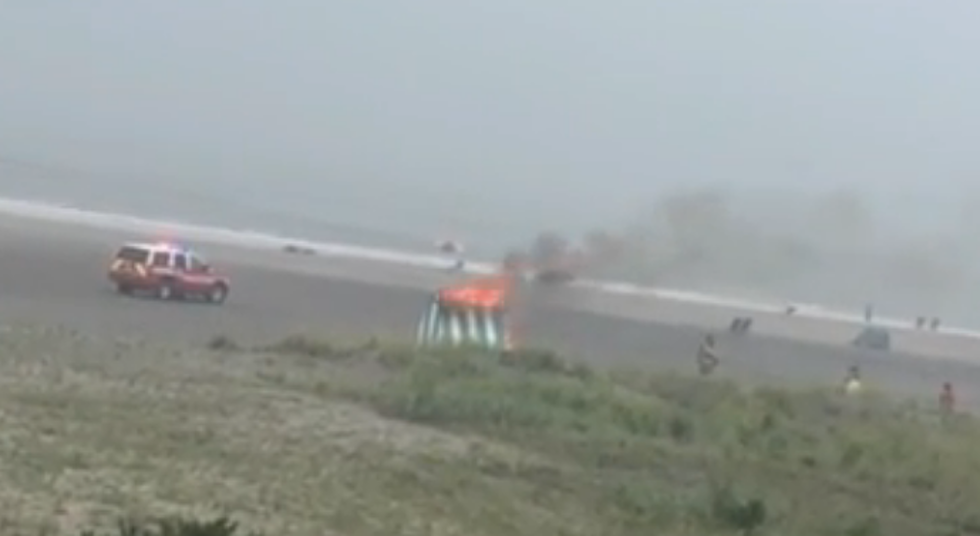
53	273
257	239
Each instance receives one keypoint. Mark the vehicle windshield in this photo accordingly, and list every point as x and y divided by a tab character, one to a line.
134	254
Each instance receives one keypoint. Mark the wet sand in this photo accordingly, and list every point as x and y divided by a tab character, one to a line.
52	272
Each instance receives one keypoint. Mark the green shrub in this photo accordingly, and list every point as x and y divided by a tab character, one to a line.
745	516
807	446
642	453
222	343
175	526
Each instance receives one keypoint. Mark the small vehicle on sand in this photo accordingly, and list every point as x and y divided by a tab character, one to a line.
873	338
552	270
166	271
471	313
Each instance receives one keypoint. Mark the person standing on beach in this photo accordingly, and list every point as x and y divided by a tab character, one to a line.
852	381
707	356
947	399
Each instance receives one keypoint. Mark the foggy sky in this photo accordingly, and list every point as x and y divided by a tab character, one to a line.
611	101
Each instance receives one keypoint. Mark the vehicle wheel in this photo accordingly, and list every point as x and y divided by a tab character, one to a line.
165	292
218	293
124	289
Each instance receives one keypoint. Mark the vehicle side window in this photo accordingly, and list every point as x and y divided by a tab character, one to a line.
161	259
132	254
197	265
180	261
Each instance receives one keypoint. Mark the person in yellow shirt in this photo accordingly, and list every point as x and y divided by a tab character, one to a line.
852	381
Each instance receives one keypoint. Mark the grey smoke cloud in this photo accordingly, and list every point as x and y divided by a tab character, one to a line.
828	248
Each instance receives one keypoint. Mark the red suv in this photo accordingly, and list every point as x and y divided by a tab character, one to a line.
166	271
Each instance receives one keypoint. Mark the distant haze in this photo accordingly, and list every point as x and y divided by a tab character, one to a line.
493	121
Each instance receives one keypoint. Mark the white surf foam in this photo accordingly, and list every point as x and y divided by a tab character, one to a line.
255	239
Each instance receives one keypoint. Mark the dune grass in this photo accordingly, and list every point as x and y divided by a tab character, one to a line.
642	454
303	437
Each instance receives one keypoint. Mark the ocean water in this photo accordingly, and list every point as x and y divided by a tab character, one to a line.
400	218
411	216
489	219
49	212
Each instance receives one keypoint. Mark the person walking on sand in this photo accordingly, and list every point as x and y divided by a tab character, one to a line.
707	356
